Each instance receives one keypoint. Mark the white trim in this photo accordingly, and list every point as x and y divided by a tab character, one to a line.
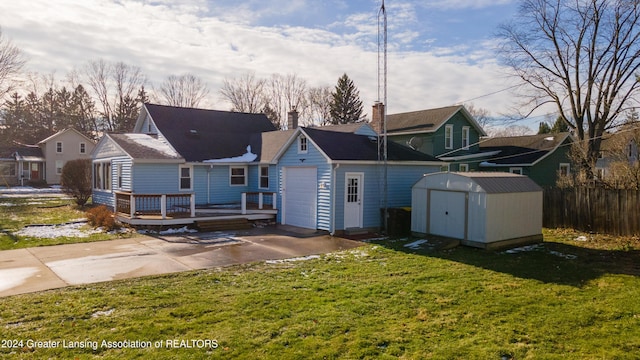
61	147
80	147
466	129
299	142
260	176
567	165
516	170
359	175
466	167
61	162
245	174
448	127
180	167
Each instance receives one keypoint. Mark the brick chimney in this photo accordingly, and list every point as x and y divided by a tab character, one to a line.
292	119
377	116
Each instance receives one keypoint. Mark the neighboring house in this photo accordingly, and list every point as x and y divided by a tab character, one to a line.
182	165
449	133
21	165
542	157
332	178
619	149
61	147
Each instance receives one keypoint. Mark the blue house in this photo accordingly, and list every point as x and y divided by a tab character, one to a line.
183	165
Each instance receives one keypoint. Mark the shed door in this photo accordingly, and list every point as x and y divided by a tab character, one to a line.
447	215
353	200
300	196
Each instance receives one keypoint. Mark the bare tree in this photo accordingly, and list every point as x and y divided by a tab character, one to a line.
12	61
581	56
481	115
319	105
511	130
246	93
184	90
116	89
285	93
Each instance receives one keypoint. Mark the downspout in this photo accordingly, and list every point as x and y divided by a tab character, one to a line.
333	199
209	184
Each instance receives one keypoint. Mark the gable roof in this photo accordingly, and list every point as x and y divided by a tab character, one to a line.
199	134
272	142
521	150
64	131
21	152
343	146
427	121
144	147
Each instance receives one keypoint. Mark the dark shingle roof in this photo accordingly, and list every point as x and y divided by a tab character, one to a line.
199	134
522	149
422	120
349	146
30	151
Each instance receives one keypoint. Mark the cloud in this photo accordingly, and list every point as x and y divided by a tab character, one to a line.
466	4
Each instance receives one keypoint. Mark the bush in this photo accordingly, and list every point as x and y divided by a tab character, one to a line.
76	180
101	216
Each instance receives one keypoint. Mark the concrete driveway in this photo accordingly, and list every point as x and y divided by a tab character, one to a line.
50	267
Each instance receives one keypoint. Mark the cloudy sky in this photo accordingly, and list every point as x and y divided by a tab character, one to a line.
440	52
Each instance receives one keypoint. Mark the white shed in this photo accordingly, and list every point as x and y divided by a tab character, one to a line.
486	210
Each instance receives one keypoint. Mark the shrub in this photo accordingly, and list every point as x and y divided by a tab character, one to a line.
101	216
76	180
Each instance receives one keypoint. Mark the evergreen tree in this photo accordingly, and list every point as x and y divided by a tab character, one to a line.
346	106
559	126
544	128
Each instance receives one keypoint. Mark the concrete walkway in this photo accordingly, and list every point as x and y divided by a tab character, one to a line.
50	267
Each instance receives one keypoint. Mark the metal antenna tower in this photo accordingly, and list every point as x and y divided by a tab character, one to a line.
382	88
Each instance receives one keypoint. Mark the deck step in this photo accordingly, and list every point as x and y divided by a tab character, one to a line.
226	224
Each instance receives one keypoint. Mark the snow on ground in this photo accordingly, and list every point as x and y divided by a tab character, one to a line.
539	247
181	230
416	244
302	258
10	278
54	231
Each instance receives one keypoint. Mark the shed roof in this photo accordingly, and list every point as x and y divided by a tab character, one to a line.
488	182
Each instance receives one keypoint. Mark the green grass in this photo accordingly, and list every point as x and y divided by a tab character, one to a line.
380	301
18	212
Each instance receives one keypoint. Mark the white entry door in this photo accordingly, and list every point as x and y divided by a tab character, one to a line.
353	200
447	213
300	197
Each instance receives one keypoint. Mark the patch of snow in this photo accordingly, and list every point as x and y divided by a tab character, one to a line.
566	256
54	231
29	190
301	258
549	138
246	157
152	143
581	238
534	247
181	230
102	313
416	244
10	278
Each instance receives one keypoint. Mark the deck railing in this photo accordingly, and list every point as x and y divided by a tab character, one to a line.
162	205
261	200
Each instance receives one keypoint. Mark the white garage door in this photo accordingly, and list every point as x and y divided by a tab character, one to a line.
447	215
300	196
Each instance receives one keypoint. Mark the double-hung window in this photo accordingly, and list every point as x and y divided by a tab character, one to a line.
303	145
238	175
448	137
59	147
264	177
465	138
185	178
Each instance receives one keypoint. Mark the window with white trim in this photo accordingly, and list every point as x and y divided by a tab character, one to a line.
238	175
59	147
83	148
119	175
516	170
185	178
463	167
102	175
565	169
465	137
448	137
264	177
303	145
59	165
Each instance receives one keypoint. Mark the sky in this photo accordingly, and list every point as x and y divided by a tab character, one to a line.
440	52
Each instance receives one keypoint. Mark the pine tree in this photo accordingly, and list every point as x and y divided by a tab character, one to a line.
346	106
559	126
544	128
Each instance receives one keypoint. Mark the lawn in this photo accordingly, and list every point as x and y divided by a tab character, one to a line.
565	299
18	212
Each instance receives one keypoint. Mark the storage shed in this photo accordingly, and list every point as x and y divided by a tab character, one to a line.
485	210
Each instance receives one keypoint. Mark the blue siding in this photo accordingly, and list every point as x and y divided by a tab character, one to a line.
221	190
103	197
313	158
155	178
200	184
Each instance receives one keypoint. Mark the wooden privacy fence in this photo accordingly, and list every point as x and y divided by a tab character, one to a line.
593	209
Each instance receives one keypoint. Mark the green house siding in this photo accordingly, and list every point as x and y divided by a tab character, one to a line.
434	143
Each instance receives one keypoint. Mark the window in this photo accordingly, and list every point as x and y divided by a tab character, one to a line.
516	170
448	137
83	148
238	176
465	138
102	175
119	175
463	167
185	178
302	145
264	177
564	169
59	165
59	147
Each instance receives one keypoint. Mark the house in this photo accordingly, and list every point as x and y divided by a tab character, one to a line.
618	154
183	165
63	146
448	133
486	210
543	158
177	158
332	178
27	164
